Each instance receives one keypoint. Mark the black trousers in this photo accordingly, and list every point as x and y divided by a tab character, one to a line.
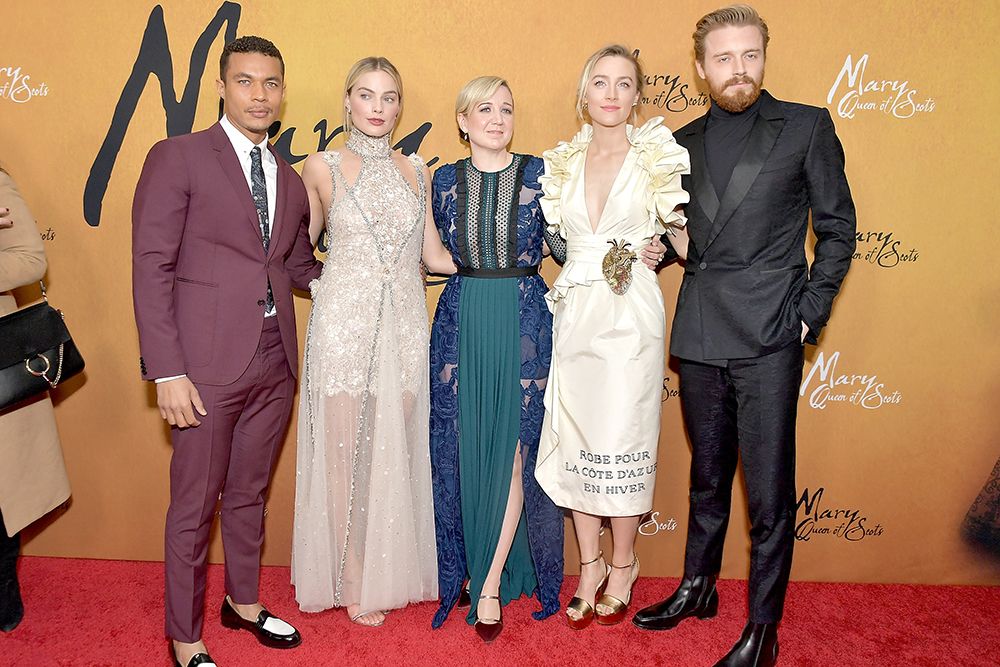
745	411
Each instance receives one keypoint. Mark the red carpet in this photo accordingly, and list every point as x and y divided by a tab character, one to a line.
83	612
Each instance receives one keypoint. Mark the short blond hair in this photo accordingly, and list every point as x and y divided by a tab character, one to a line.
478	90
736	16
611	50
362	67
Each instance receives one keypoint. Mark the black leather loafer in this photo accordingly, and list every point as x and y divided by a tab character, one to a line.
232	620
196	659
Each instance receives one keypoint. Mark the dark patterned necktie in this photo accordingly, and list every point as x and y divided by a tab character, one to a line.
260	200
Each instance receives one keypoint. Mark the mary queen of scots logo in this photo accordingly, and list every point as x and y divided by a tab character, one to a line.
825	385
818	518
856	92
16	85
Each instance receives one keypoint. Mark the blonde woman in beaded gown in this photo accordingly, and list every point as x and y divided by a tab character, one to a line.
363	535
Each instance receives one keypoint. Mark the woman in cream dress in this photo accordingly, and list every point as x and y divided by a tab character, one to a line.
363	536
608	192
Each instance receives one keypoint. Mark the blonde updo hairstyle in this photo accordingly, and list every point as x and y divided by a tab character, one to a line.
588	69
359	69
476	91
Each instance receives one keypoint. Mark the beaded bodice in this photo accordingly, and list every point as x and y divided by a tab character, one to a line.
371	279
379	216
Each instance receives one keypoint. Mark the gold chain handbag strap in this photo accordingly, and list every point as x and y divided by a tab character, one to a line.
48	365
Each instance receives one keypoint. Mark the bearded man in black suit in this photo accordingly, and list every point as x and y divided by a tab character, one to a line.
747	304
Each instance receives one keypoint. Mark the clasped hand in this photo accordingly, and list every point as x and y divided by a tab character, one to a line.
653	253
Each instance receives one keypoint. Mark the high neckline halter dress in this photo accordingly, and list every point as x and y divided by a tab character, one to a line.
363	530
598	447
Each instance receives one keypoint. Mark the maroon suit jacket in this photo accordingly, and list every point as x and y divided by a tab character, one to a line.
199	270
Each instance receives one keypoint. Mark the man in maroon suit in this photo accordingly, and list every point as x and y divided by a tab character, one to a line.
219	238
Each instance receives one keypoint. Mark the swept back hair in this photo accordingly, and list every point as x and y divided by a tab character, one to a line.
736	16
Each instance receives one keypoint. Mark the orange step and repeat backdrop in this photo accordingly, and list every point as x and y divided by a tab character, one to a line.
898	428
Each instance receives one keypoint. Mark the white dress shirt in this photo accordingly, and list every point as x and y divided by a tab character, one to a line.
242	145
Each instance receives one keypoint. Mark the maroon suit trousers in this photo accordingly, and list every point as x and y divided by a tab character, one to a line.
233	451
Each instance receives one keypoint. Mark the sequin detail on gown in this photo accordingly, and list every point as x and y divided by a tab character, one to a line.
363	529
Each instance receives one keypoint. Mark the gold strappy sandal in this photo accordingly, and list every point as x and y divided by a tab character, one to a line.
581	606
619	608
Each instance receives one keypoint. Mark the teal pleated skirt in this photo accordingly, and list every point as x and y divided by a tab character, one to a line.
489	419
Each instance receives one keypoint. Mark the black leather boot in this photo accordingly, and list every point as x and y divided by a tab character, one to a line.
757	647
694	597
11	607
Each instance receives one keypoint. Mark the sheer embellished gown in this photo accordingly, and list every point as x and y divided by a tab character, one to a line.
363	528
598	446
490	348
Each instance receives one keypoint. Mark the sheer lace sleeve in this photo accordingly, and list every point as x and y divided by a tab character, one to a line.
556	243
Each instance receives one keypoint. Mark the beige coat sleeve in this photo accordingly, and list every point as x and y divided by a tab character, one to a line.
33	477
22	255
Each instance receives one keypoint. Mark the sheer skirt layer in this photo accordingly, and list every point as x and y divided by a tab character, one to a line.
364	531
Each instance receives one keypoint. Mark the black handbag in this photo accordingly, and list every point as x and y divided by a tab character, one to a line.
36	352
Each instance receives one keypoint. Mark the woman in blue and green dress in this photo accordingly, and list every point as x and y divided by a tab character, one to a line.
490	349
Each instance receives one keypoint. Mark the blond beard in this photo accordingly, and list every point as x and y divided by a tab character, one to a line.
738	101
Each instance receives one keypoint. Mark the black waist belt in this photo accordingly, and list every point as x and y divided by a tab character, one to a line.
514	272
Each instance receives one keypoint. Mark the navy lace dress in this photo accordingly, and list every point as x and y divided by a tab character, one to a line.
491	344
